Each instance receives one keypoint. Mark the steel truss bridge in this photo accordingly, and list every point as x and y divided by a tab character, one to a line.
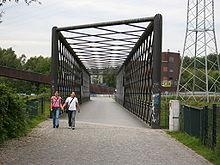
133	47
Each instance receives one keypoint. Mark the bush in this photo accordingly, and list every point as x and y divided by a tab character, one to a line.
218	146
13	116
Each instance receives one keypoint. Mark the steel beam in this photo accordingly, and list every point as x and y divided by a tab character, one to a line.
55	59
129	21
24	75
157	46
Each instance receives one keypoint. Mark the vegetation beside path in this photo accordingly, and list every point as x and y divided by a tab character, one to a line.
14	119
196	145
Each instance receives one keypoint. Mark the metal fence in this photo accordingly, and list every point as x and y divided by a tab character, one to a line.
138	80
68	72
35	107
202	123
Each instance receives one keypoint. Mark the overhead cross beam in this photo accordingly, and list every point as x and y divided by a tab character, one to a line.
132	47
95	43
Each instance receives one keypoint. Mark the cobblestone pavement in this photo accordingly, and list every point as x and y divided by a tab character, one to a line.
97	144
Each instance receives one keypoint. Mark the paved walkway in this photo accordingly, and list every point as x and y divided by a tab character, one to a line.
106	111
104	136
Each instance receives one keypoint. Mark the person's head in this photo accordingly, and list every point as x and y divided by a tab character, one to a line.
72	94
56	93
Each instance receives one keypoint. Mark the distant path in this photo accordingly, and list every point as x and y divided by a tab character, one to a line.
102	137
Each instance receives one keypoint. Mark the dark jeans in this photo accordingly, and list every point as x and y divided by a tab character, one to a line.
71	118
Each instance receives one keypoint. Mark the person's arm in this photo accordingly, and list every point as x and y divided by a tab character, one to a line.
66	101
64	105
78	106
51	104
62	108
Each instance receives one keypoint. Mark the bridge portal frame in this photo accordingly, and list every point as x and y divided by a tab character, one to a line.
138	79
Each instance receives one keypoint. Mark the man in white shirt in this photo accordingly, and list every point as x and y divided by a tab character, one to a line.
73	104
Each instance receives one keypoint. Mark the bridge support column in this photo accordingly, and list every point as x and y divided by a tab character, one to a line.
55	59
157	46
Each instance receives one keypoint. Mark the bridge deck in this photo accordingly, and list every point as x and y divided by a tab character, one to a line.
105	134
106	111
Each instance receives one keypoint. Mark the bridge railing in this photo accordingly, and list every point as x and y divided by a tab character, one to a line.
68	72
138	80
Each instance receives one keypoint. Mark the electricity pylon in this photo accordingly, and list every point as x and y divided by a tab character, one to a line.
199	73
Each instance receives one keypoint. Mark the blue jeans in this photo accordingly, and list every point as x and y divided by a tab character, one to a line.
55	114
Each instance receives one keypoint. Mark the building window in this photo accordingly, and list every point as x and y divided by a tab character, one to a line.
171	59
164	58
171	70
165	78
165	69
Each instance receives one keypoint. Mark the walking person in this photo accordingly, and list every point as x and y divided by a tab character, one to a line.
56	106
73	104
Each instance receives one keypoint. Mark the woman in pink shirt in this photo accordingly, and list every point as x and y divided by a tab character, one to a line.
56	106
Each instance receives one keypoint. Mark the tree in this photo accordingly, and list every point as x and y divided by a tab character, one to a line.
34	64
200	62
8	58
110	80
26	1
23	59
2	2
186	61
39	65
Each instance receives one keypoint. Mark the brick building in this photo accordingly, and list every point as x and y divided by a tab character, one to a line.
170	68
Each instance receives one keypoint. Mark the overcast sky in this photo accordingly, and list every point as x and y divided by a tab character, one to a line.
27	29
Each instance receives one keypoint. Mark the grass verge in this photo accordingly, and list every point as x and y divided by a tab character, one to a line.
34	122
196	145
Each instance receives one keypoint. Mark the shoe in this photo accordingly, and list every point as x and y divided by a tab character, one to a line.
54	126
57	126
69	127
73	128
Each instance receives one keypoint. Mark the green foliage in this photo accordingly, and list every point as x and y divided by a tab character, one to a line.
8	58
199	104
164	113
186	77
13	116
109	75
199	63
218	147
27	87
34	64
110	80
14	119
38	64
211	59
197	146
